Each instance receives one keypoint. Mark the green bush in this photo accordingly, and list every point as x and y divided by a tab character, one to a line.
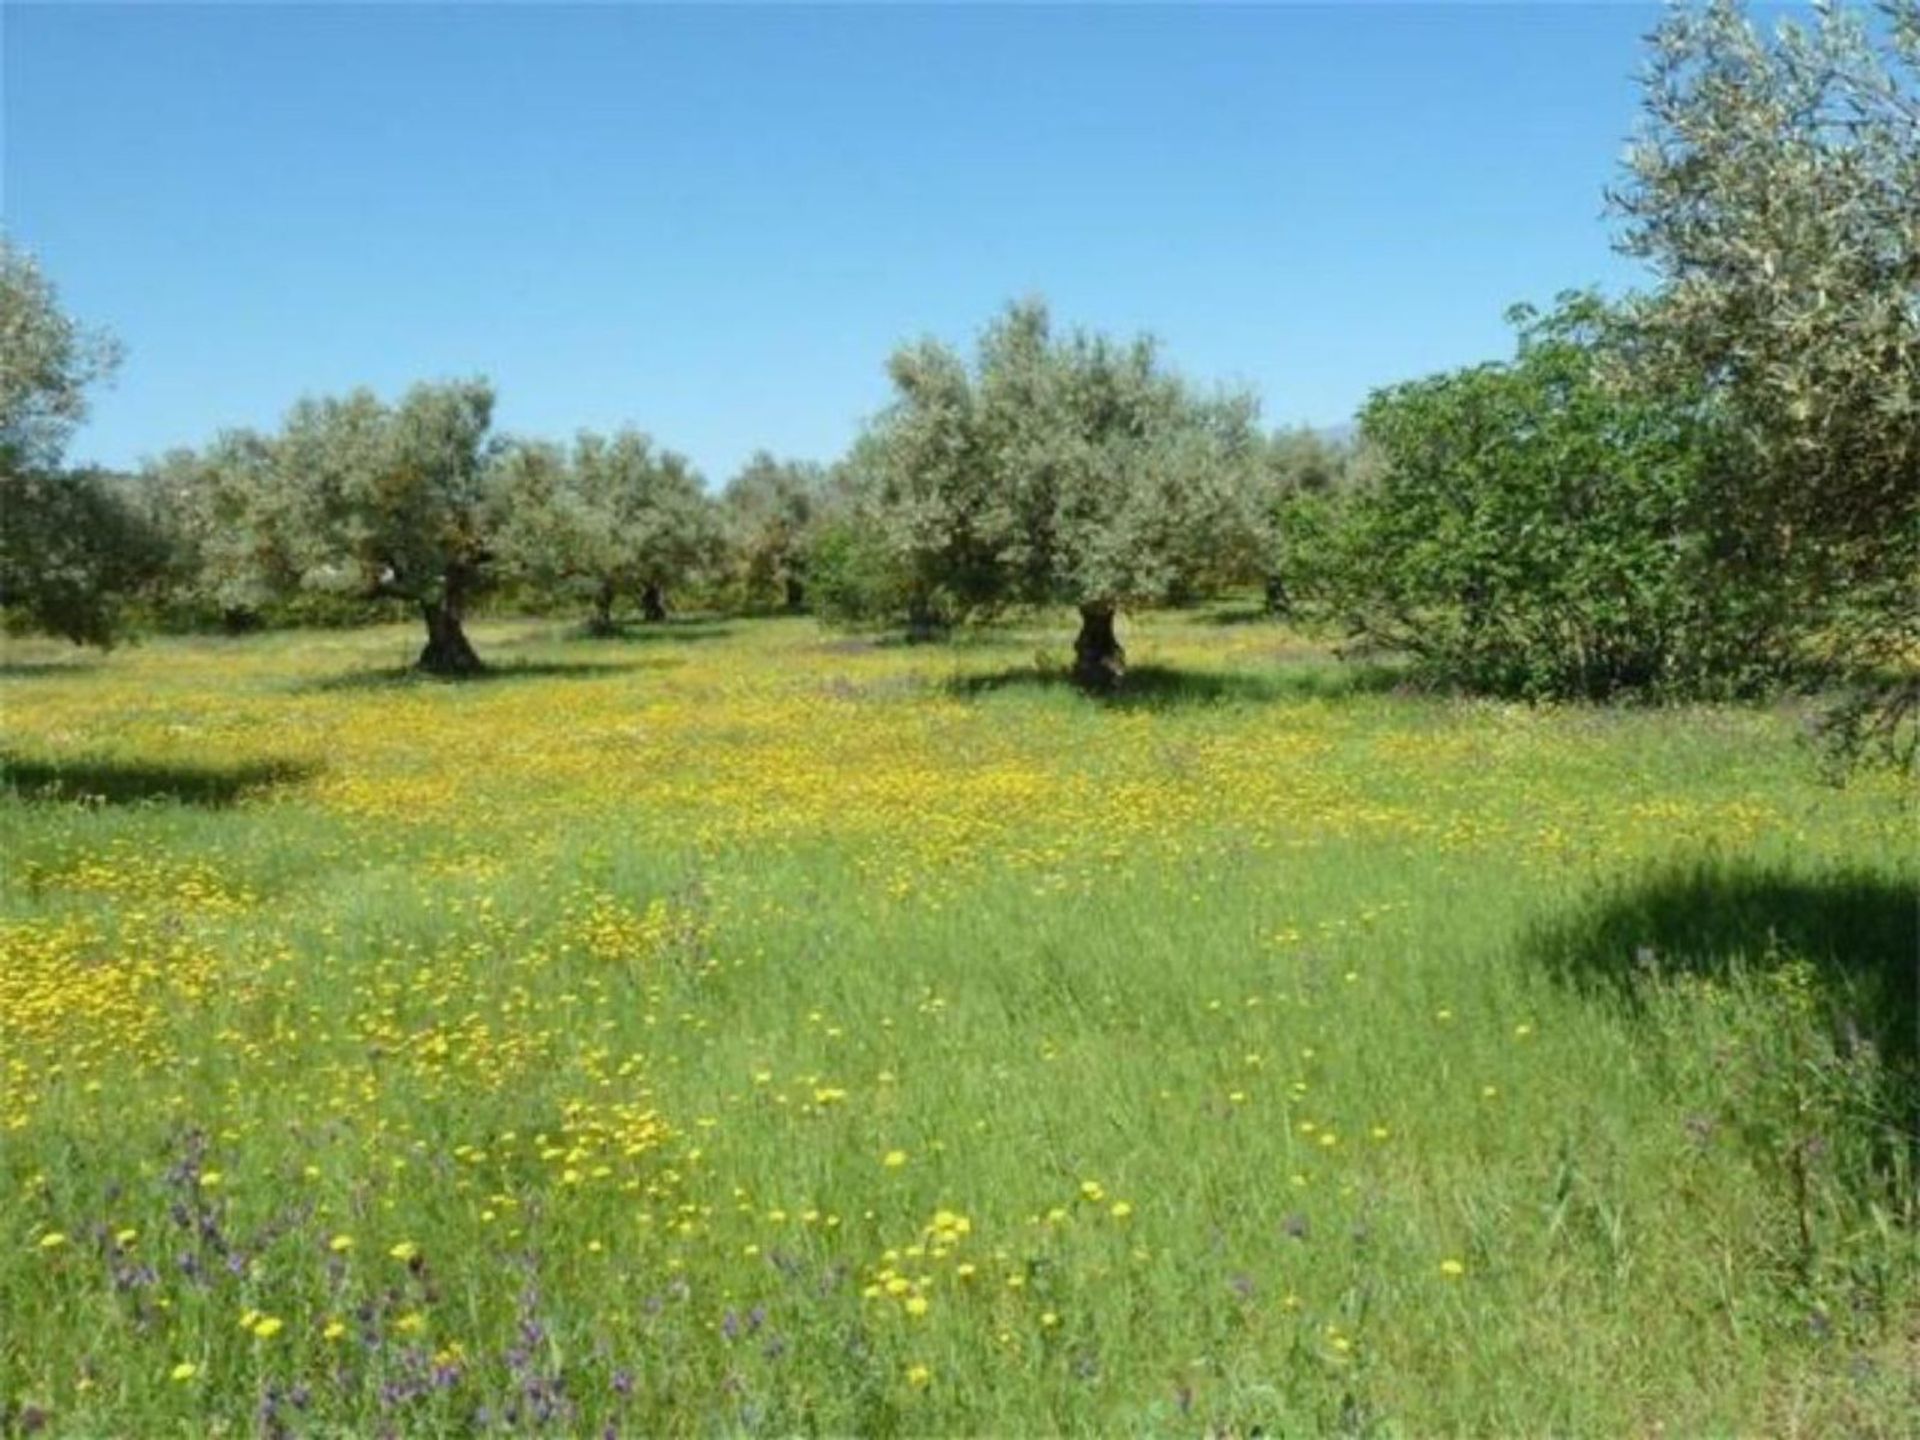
1536	529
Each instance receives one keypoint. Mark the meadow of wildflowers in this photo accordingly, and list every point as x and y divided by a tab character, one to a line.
739	1027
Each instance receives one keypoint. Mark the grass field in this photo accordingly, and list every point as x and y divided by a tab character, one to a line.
741	1027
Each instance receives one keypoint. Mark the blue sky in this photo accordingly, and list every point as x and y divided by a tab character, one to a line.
715	223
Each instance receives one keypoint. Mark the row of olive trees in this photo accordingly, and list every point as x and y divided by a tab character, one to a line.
1056	468
1706	489
417	502
421	502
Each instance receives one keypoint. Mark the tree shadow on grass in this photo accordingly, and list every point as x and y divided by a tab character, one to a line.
1165	687
655	632
408	677
93	780
37	669
1251	614
1860	931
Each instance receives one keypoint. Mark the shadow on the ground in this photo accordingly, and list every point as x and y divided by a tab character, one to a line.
408	676
1240	615
94	780
1165	687
653	632
1859	930
34	669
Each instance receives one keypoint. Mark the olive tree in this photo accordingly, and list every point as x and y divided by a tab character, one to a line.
1775	189
617	516
772	508
1060	469
235	535
72	547
357	496
1298	462
47	364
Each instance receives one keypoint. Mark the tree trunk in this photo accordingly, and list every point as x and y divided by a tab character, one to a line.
796	595
448	651
922	624
1278	602
602	621
653	603
1098	661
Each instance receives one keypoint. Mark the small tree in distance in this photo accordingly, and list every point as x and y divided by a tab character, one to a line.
772	508
616	517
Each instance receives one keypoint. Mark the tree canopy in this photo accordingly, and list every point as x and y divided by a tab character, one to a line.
618	516
72	547
1775	189
773	508
1060	469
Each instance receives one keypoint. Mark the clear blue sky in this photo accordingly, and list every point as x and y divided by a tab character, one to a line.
716	223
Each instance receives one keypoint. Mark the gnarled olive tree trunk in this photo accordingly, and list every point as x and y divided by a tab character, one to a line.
1099	662
653	602
923	624
601	622
448	651
796	595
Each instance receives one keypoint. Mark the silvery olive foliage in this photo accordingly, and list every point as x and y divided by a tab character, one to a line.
73	548
351	496
617	516
48	362
235	534
1775	190
1059	468
773	509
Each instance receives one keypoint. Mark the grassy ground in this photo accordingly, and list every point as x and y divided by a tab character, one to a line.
738	1027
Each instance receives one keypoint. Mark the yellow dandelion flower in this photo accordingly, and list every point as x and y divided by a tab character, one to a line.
334	1330
1452	1269
267	1326
894	1159
340	1244
185	1370
916	1306
405	1250
1121	1210
52	1240
919	1376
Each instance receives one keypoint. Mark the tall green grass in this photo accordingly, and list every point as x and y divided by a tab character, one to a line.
1276	1051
